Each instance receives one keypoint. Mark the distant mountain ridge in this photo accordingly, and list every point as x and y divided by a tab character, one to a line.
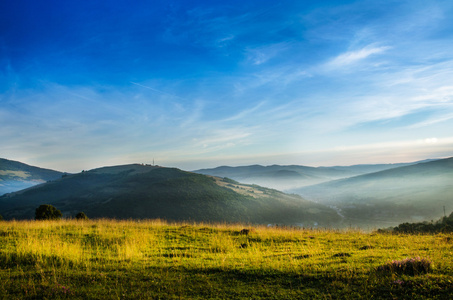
287	177
143	191
15	175
360	195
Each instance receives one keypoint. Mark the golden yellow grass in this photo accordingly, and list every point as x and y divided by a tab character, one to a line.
216	255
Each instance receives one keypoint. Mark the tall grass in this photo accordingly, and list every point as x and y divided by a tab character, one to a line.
155	259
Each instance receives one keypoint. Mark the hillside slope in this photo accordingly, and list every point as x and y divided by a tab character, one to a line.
405	194
138	191
15	176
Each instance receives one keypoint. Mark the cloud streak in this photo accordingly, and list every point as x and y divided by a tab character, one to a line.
352	57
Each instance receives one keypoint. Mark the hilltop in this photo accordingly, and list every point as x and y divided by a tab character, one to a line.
16	176
145	192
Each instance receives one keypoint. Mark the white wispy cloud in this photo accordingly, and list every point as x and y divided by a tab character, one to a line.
219	139
436	119
245	113
154	89
352	57
260	55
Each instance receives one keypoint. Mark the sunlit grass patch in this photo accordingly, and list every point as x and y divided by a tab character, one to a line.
101	259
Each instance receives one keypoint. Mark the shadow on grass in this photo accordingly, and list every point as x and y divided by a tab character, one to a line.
128	282
275	284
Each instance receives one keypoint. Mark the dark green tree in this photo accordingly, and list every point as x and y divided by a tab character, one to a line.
47	212
1	218
81	216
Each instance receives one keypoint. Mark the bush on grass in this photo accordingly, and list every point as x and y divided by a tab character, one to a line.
408	266
81	216
47	212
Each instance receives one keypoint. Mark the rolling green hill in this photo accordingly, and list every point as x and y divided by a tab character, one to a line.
15	176
143	191
406	194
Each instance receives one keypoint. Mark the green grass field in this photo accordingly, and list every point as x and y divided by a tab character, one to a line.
107	259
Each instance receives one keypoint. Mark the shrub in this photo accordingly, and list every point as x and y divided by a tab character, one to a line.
81	216
1	218
408	266
47	212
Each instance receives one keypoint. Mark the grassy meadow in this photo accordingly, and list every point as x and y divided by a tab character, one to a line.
106	259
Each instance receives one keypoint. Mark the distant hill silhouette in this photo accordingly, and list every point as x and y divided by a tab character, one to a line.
15	176
406	194
143	191
293	176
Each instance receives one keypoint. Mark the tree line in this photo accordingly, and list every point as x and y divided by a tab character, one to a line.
49	212
445	224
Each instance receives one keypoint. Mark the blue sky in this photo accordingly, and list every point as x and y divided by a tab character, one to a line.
196	84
